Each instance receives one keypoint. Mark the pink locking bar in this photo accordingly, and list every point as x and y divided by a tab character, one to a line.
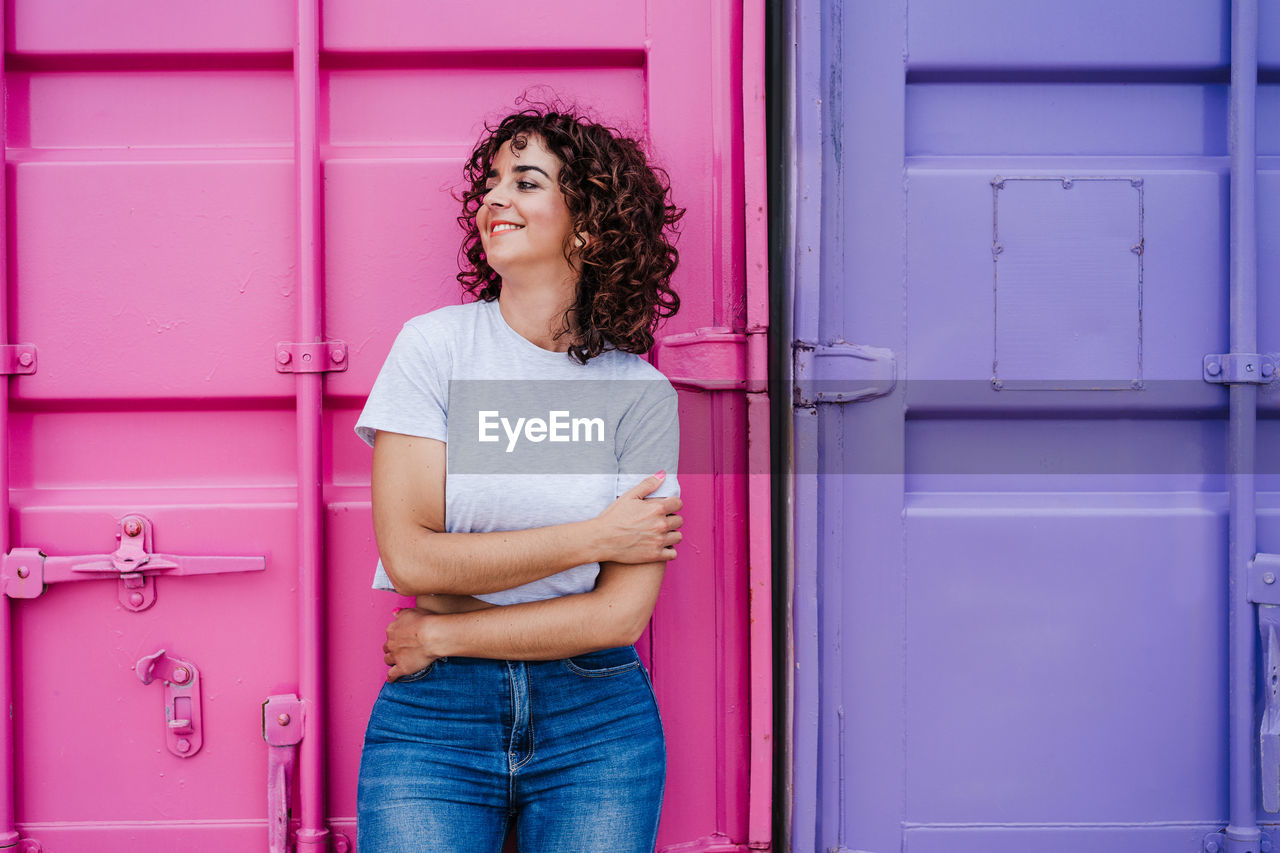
25	572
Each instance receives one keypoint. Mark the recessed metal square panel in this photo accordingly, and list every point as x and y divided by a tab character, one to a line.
1067	259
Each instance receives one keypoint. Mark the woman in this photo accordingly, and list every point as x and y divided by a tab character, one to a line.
514	693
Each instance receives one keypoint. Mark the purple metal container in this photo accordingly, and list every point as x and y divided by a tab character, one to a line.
1018	241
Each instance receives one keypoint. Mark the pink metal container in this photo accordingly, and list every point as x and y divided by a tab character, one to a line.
218	216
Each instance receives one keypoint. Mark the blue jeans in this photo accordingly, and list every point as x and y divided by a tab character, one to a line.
571	751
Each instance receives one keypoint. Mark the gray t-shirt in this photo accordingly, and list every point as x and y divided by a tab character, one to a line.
534	438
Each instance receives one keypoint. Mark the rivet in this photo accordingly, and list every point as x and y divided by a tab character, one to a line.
26	359
1268	368
23	572
181	675
341	845
183	745
132	527
1214	368
1211	847
337	355
306	356
283	357
135	598
283	719
1269	577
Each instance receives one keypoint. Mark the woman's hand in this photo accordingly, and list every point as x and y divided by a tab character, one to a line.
634	529
405	650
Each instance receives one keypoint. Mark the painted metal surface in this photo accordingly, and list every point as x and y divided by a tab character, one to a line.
217	220
1010	573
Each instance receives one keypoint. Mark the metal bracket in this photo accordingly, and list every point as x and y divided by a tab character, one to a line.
18	359
26	572
183	733
319	357
1237	368
283	718
1262	580
841	373
1217	842
715	358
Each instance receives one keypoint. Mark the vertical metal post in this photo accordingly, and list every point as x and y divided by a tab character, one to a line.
8	831
1242	833
312	834
759	497
805	188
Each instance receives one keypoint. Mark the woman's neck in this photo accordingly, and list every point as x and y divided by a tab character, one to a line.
537	313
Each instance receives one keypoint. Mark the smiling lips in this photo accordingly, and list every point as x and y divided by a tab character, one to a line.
502	227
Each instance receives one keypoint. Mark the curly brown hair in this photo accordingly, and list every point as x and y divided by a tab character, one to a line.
616	197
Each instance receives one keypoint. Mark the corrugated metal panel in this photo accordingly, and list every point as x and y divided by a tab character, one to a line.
158	252
1010	599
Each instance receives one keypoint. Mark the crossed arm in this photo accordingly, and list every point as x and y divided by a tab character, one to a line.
632	540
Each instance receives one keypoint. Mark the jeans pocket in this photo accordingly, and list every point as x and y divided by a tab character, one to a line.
603	663
416	676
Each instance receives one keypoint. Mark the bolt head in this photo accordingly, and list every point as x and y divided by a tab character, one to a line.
283	720
1214	368
283	357
132	527
181	675
26	359
1211	847
183	745
1269	578
23	572
1268	369
337	355
136	599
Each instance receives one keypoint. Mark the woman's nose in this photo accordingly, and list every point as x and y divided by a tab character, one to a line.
495	197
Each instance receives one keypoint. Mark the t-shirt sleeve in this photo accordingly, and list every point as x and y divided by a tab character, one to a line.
649	440
411	393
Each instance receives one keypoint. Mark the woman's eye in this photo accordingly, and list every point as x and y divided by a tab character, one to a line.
526	185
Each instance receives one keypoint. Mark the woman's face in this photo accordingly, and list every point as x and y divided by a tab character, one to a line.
523	220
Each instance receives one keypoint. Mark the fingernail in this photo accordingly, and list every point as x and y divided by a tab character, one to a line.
661	475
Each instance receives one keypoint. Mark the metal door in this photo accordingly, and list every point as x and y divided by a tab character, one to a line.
1008	261
218	216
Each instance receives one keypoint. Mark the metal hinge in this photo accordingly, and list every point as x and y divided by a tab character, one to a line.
716	358
318	357
841	372
1237	368
18	359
